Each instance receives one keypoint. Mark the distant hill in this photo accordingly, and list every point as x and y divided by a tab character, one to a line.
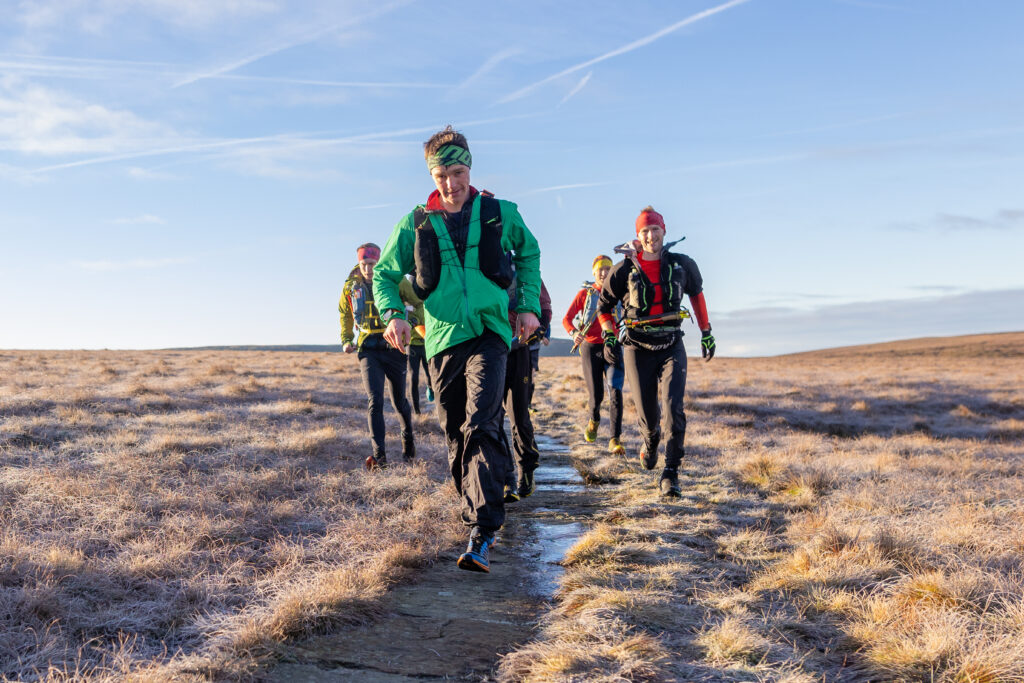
319	348
558	347
997	345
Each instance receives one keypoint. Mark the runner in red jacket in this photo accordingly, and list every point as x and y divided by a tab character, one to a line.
581	322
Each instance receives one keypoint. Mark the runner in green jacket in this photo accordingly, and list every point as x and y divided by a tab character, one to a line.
457	243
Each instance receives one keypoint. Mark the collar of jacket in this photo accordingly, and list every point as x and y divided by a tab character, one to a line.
434	200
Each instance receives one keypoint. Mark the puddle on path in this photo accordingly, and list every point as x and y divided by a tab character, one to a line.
452	624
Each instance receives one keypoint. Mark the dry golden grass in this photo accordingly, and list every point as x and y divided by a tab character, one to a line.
849	515
179	515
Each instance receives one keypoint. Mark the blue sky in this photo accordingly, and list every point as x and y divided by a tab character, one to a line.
195	172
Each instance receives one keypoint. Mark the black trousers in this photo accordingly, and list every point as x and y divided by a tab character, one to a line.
518	391
597	373
417	357
468	380
658	378
377	364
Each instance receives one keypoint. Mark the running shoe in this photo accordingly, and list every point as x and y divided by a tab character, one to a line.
475	557
648	457
669	483
511	494
615	446
526	484
430	394
590	433
375	463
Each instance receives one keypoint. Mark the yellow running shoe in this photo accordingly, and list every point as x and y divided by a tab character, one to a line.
615	447
590	433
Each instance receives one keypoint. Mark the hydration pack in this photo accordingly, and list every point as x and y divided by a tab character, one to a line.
495	262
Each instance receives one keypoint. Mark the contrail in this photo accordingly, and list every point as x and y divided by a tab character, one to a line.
647	40
492	61
579	86
294	141
306	38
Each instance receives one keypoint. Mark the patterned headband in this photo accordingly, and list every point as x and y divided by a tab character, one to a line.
449	155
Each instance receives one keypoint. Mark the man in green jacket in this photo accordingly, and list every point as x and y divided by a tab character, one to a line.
457	244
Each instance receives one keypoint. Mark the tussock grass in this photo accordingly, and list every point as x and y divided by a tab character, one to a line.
846	515
181	516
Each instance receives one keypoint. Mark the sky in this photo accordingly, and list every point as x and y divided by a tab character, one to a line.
200	172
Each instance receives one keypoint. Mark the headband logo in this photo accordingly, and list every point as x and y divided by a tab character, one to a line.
449	155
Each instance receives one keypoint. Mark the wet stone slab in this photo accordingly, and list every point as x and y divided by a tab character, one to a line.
453	624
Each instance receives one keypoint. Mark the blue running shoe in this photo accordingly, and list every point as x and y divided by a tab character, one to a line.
475	557
430	394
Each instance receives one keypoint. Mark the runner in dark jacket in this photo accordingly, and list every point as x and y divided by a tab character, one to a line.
517	397
378	362
652	283
581	322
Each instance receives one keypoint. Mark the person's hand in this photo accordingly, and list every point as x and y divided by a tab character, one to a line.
578	338
398	333
545	341
612	348
348	347
707	345
526	325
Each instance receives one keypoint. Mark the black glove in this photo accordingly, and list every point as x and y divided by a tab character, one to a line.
612	348
707	345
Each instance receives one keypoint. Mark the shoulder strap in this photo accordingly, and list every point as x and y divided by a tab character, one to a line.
490	210
419	217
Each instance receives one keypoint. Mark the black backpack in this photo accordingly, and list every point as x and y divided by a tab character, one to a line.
495	263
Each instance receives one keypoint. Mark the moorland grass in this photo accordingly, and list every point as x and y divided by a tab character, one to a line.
846	515
181	514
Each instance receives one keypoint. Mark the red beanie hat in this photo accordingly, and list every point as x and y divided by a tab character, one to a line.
649	217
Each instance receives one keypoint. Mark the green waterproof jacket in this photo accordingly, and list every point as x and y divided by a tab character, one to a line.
465	302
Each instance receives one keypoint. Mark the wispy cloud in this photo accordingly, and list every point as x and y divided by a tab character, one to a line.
131	264
144	219
37	120
579	86
1004	219
772	330
629	47
97	17
285	143
569	186
307	36
75	68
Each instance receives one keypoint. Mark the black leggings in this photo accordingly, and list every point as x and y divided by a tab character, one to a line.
518	389
417	357
377	365
597	372
658	378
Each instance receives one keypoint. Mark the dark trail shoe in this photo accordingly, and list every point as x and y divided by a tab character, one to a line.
376	463
408	447
475	557
526	484
648	457
669	483
511	494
